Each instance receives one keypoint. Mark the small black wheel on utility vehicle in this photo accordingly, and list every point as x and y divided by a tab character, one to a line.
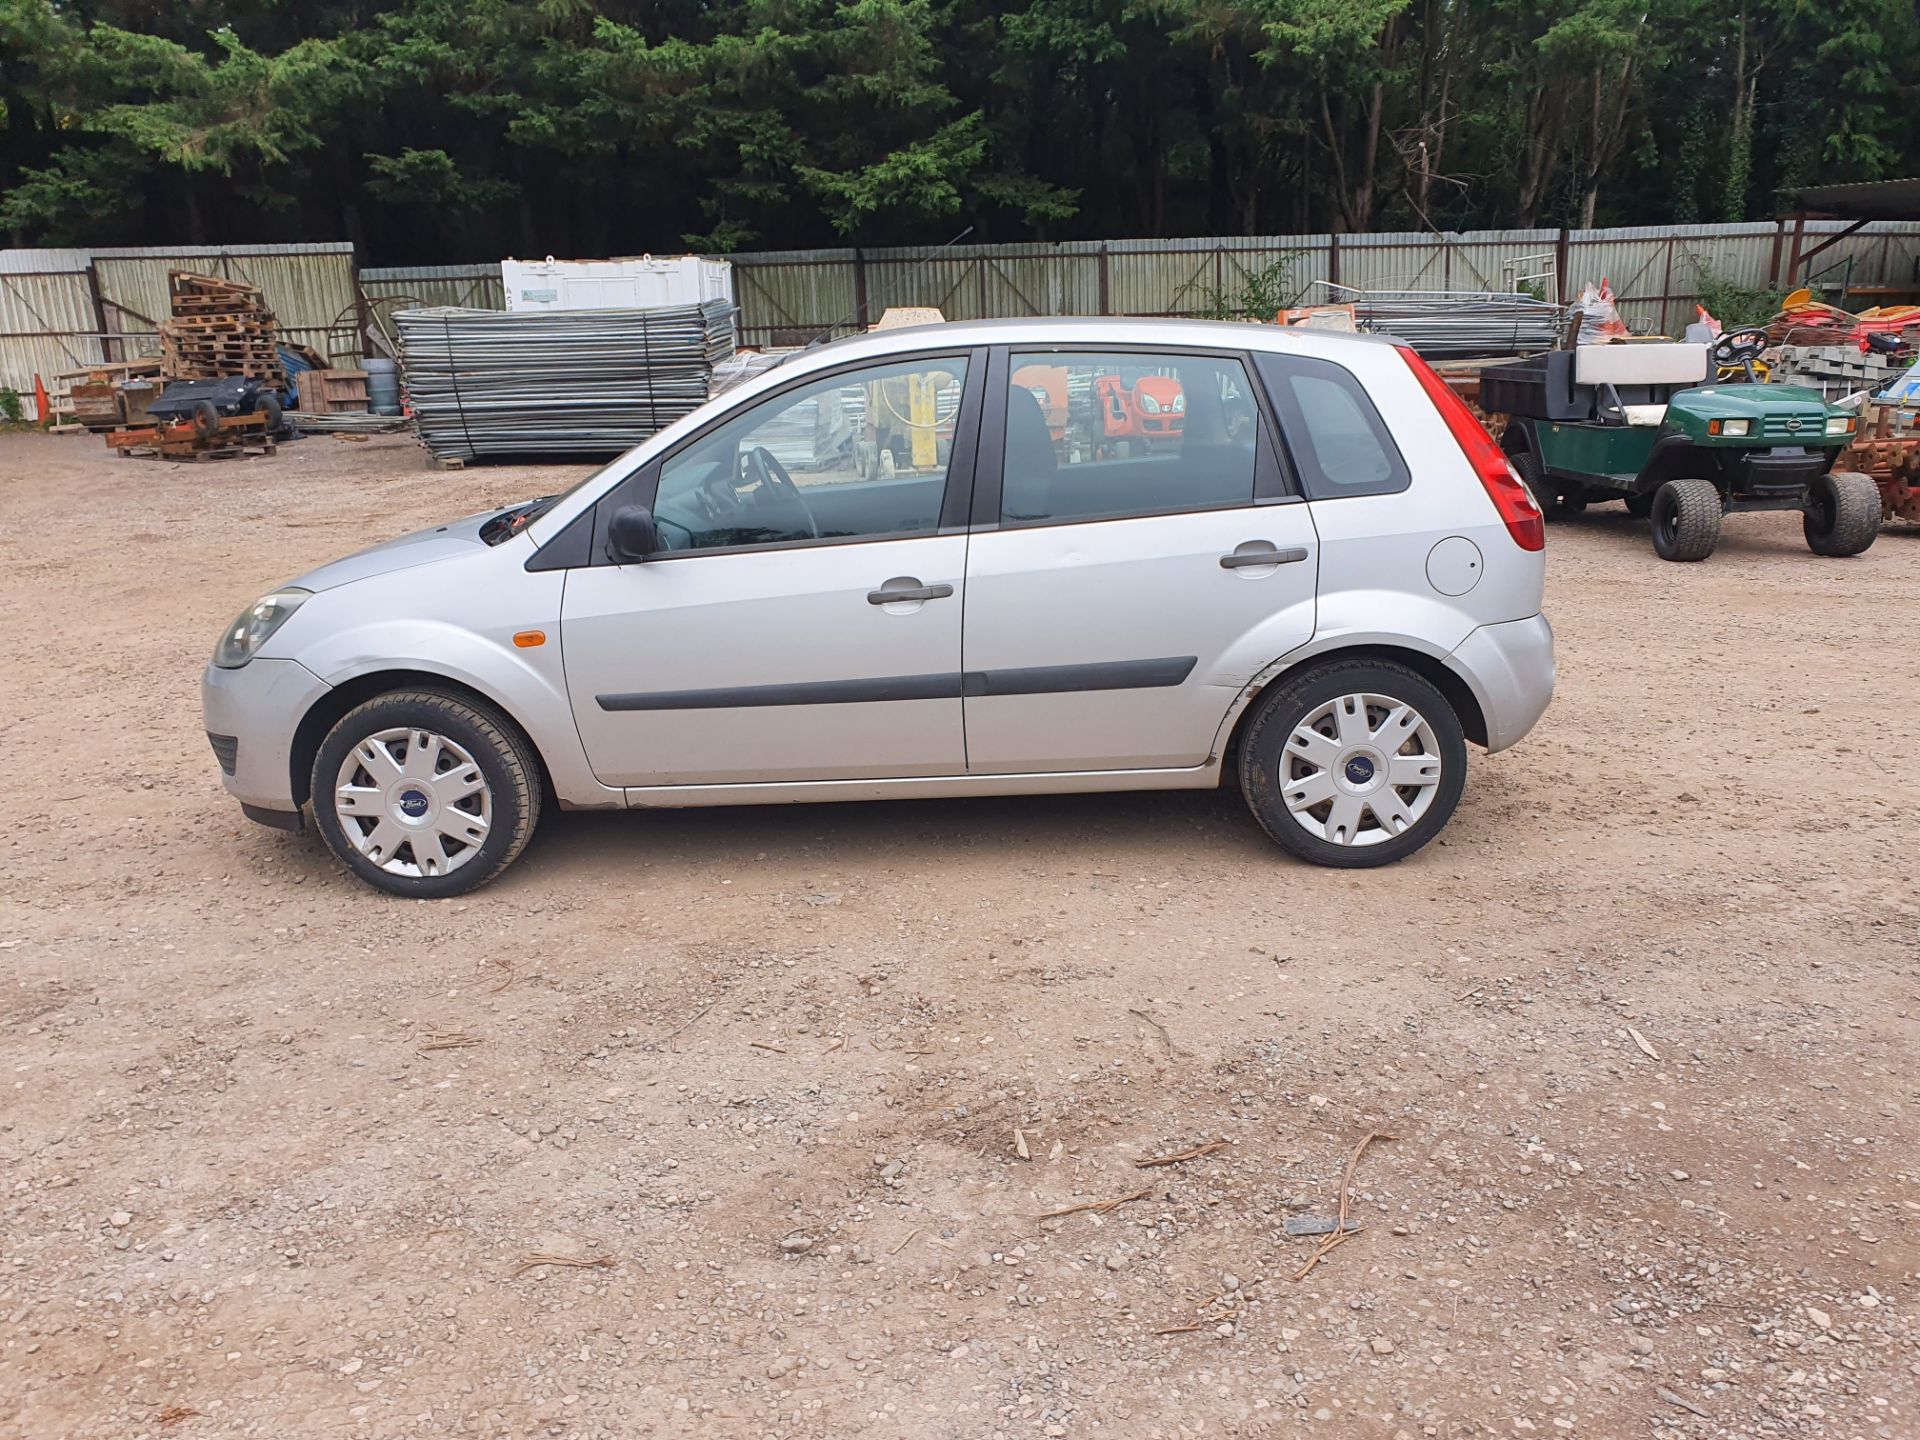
1842	514
1352	763
1686	519
206	419
1554	503
425	794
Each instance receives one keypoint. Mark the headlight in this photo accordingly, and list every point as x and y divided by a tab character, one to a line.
1735	427
1180	403
1842	425
1148	404
252	627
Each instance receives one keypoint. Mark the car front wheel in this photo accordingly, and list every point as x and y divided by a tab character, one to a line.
1354	763
424	794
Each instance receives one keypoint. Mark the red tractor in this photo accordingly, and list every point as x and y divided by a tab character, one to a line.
1149	411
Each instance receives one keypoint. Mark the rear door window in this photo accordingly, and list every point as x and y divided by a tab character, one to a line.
1339	443
1111	435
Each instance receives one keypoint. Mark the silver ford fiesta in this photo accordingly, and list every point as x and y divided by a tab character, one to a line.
1004	557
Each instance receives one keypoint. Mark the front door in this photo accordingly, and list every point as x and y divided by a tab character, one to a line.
1136	575
802	618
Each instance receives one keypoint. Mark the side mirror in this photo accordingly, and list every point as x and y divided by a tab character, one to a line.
631	534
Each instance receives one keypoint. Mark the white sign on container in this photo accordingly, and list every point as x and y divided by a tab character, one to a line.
638	282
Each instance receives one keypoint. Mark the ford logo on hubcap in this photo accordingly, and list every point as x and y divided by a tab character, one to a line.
413	804
1359	770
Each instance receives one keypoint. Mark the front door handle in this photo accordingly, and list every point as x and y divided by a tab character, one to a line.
1267	556
898	590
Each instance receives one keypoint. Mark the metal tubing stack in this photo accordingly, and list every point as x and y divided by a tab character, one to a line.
564	382
1456	324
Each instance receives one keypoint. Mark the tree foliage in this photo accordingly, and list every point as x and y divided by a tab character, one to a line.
450	129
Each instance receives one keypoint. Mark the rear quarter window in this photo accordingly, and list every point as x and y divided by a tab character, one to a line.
1339	444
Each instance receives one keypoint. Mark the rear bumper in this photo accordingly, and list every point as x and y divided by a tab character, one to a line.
1510	670
258	707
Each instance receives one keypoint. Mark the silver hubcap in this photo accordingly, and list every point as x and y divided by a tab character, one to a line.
1360	769
413	802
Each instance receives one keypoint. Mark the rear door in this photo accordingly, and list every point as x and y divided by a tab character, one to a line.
1132	529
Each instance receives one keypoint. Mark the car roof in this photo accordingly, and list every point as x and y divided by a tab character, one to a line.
1117	330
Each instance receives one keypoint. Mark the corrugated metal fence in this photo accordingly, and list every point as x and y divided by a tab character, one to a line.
787	297
63	309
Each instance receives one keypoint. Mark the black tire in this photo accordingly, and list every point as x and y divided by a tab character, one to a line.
1842	514
206	419
267	407
1526	464
505	759
1288	702
1686	519
1557	499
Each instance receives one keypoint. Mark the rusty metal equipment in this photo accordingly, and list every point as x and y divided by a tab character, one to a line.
205	437
1892	459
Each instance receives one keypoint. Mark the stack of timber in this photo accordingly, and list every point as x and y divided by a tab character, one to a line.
219	328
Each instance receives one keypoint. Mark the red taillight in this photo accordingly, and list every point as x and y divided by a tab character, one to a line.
1508	492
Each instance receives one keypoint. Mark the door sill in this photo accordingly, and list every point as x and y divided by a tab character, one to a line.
922	787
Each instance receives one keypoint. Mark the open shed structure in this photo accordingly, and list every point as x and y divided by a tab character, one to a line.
1859	205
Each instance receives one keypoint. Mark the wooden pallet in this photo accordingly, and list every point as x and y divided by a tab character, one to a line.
188	454
219	328
332	392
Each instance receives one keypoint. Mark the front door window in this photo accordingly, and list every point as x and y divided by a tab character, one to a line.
857	456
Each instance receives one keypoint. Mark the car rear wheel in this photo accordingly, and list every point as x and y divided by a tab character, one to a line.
1354	763
1686	519
425	794
1843	513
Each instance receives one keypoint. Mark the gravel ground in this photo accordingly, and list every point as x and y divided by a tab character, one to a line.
748	1122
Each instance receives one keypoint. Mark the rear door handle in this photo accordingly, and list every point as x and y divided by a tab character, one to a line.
908	592
1268	556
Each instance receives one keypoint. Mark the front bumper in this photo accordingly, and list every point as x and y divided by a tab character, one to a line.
1510	670
259	707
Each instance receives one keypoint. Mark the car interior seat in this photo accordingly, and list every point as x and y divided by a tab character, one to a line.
1026	481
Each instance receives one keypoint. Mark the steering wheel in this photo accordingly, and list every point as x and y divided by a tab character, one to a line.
1737	347
763	467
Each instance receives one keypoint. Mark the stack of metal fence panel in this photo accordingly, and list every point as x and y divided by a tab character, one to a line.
564	382
1457	324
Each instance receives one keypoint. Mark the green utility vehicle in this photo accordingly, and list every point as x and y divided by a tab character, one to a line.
1636	421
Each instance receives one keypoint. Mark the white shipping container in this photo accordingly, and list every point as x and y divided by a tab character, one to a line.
638	282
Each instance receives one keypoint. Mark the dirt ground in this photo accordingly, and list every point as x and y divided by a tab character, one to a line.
747	1122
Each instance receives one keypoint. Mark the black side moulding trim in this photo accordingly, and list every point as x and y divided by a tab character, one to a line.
1031	680
1065	679
810	692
